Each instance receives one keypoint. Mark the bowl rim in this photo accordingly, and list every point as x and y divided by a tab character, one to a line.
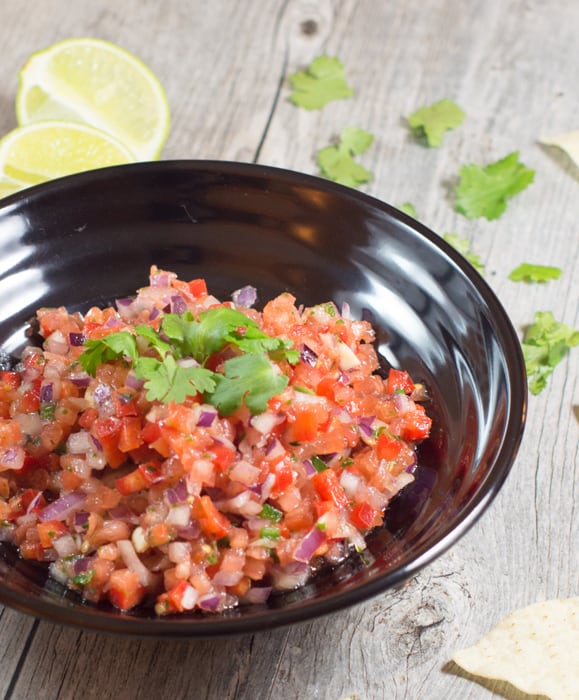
89	617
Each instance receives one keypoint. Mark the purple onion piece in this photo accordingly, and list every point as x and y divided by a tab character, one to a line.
178	304
133	383
34	502
125	301
62	507
210	603
46	393
124	513
153	313
82	564
271	445
102	393
245	297
314	539
206	419
366	429
161	279
80	381
308	356
76	339
97	443
310	469
80	520
257	595
180	490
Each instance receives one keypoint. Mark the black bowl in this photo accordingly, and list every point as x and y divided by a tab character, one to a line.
87	239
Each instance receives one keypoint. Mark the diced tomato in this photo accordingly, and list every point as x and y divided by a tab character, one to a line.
304	425
222	456
10	433
283	478
328	487
198	287
9	380
125	589
110	445
150	432
125	405
212	521
130	436
132	482
159	535
388	447
399	380
87	418
30	549
69	480
49	531
175	595
363	515
152	472
106	427
327	387
181	418
416	424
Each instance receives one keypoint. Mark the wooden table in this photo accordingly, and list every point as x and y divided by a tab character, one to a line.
513	68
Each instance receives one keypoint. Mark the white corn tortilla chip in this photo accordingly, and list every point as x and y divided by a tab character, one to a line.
535	648
568	142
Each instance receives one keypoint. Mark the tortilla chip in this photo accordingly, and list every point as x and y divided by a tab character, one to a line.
535	648
568	142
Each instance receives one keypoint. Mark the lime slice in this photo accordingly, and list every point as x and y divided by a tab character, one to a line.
39	152
97	83
7	187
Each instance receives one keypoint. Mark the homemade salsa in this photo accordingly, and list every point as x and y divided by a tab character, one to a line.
197	453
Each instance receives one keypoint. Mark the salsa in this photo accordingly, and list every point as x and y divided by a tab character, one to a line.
198	454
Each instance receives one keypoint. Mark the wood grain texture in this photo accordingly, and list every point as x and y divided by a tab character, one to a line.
513	68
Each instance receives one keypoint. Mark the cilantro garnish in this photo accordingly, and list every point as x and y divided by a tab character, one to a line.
318	464
323	81
484	191
430	123
337	162
526	272
270	532
269	512
545	344
462	245
249	379
83	578
183	344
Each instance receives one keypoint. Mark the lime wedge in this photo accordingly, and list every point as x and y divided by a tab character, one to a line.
97	83
38	152
7	187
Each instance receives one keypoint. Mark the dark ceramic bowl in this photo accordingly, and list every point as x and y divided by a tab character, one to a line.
87	239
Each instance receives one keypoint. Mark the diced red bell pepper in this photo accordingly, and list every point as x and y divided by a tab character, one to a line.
212	521
363	515
132	482
130	435
388	447
222	456
416	424
198	287
125	589
328	488
399	380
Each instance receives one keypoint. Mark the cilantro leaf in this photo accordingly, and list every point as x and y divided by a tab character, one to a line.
249	379
323	81
155	341
430	123
462	245
526	272
484	191
337	162
112	347
545	344
409	208
168	381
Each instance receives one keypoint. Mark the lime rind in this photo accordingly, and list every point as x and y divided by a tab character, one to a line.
95	82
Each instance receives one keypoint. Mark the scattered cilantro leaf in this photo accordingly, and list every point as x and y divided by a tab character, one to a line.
462	245
409	208
112	347
323	81
249	379
545	344
168	381
430	123
337	162
155	341
484	191
526	272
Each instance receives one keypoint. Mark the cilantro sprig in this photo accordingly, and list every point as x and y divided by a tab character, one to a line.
527	272
337	162
171	363
323	81
545	344
483	192
430	123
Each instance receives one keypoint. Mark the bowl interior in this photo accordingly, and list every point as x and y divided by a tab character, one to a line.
88	239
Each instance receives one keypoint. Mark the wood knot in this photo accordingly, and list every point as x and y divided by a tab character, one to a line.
309	27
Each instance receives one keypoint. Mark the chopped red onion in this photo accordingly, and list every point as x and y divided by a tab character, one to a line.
227	578
191	531
245	297
112	322
12	458
206	418
125	301
79	443
274	449
365	429
76	339
102	393
65	546
350	483
308	356
57	343
80	381
46	393
34	502
179	515
291	576
160	279
312	541
209	603
80	520
264	423
96	443
123	513
178	304
310	469
404	404
257	595
153	313
132	561
62	507
132	382
82	564
245	473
